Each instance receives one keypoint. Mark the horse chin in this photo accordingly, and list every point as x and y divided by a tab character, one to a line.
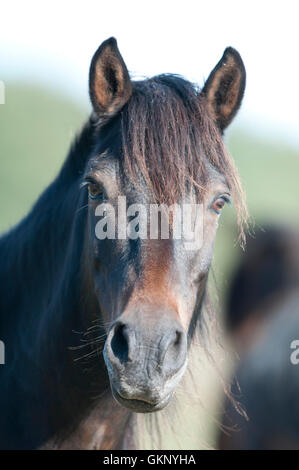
140	406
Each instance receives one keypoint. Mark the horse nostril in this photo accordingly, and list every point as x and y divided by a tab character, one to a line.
176	345
120	343
178	338
175	351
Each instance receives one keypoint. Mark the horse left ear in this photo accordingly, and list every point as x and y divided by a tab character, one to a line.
225	87
110	86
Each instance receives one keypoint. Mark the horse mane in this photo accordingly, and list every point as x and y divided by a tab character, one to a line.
170	141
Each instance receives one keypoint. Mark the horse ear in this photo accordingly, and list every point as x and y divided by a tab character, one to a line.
110	86
225	87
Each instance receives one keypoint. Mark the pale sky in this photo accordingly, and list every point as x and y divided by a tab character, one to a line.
53	42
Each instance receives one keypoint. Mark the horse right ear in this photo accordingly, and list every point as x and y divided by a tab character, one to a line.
110	86
225	87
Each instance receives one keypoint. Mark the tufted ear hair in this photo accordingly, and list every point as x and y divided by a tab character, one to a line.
110	86
224	89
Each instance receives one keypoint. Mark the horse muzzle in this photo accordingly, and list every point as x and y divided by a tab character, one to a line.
145	362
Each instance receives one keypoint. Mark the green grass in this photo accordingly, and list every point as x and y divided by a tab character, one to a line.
36	128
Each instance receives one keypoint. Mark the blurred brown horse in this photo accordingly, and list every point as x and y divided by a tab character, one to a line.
263	324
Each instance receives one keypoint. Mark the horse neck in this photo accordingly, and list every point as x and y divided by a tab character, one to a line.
107	426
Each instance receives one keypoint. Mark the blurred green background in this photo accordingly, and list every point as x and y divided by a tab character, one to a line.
36	129
37	126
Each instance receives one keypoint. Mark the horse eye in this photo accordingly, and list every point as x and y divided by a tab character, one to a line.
218	205
94	191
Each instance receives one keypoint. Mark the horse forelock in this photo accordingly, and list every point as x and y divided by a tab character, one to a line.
168	142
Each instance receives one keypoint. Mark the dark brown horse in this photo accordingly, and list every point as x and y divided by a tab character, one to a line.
65	293
263	323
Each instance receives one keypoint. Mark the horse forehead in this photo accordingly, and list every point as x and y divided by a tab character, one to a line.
108	165
103	164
